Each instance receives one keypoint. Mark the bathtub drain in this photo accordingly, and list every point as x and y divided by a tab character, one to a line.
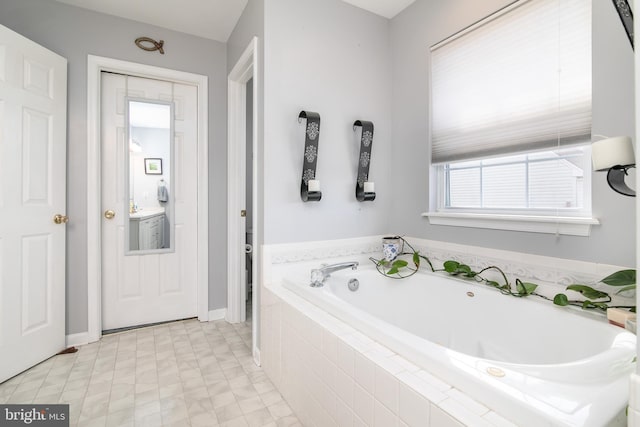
353	284
471	294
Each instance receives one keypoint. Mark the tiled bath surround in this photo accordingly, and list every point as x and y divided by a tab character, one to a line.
333	375
634	401
552	275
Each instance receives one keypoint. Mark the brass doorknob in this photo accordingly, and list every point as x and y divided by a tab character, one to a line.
109	214
60	219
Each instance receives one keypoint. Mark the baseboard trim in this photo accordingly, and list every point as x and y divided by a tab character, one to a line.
217	314
77	339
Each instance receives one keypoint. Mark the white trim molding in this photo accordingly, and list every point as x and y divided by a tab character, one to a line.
218	314
241	73
77	339
256	356
95	66
246	68
571	226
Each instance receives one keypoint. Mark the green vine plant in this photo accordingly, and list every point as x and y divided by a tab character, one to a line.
412	260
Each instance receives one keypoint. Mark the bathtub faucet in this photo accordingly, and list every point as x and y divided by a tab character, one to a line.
319	275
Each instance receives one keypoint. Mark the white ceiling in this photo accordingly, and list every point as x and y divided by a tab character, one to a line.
386	8
211	19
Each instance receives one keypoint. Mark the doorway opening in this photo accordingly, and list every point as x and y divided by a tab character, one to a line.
96	217
243	238
249	241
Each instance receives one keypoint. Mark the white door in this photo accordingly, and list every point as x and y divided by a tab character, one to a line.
141	287
33	104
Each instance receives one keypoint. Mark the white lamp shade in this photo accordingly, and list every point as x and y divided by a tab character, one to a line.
616	151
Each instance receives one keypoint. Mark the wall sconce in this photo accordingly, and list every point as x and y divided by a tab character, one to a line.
310	185
365	189
615	155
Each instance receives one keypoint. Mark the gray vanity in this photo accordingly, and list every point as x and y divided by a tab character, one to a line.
146	229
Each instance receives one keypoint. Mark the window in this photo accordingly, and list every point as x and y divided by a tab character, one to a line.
548	181
511	113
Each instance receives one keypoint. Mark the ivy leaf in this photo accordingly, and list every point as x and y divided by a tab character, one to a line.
621	278
464	268
588	292
493	283
525	288
454	268
590	304
627	288
384	263
393	270
399	263
416	259
466	271
561	299
451	266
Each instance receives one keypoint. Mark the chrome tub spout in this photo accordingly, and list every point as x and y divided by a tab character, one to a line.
319	275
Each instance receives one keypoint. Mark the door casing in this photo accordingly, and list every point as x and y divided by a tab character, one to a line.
245	68
95	66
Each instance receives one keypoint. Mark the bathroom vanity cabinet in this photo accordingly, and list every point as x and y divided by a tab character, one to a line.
146	229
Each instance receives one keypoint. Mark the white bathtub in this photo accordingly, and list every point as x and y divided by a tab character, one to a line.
533	362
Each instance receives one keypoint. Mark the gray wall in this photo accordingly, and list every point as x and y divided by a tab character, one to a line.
250	24
331	58
428	21
74	33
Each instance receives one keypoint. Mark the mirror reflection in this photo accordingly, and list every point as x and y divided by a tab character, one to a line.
150	133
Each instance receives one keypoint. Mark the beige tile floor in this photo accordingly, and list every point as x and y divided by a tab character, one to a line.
183	373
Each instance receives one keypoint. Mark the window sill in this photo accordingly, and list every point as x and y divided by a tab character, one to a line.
571	226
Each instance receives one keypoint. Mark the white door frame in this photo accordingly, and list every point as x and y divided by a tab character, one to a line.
95	66
245	69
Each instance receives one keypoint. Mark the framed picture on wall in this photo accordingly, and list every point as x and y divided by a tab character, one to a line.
153	166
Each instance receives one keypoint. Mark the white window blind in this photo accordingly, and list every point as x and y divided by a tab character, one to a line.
518	81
